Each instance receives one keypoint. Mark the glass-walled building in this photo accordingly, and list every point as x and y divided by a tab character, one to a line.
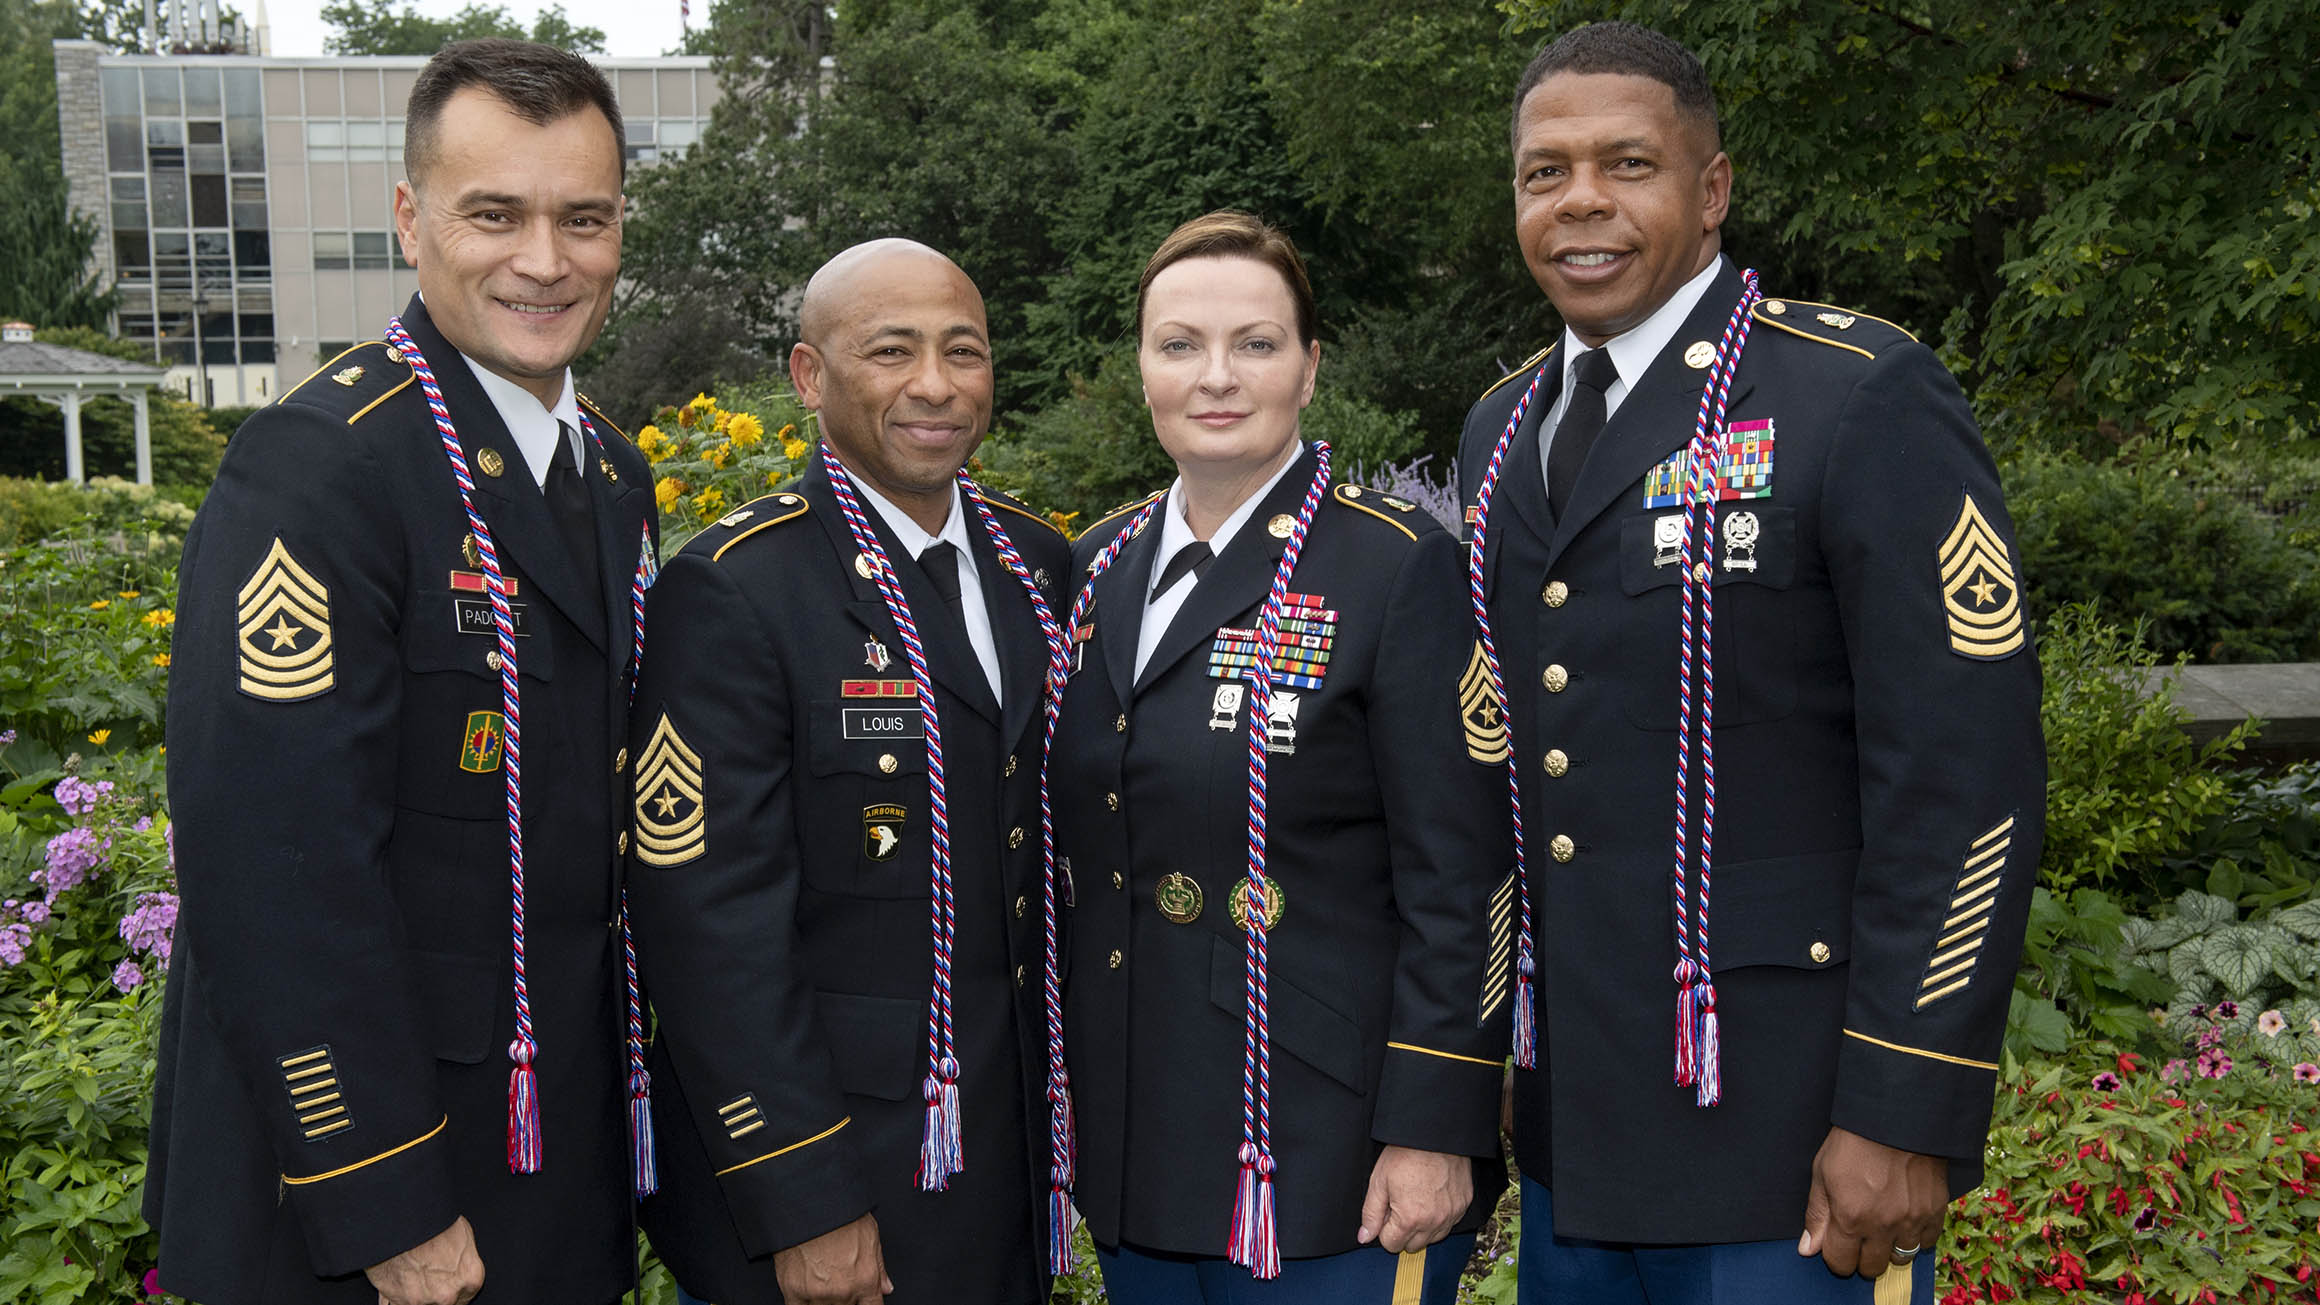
248	201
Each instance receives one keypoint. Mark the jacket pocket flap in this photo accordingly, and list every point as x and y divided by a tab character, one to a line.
1792	910
877	1044
1302	1025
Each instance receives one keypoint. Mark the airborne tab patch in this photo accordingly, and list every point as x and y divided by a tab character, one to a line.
282	618
670	816
1978	589
1483	712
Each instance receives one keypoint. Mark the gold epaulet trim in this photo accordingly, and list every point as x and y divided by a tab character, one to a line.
1121	511
1001	503
590	404
1528	364
787	1149
1772	312
356	348
1353	500
348	1169
1446	1055
781	512
364	411
1919	1051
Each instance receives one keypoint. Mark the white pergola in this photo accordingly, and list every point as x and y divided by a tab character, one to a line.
66	377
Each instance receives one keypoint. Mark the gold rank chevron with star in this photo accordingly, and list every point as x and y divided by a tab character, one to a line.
1978	588
671	818
1484	715
282	618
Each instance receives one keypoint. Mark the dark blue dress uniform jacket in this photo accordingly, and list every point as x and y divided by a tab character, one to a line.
1879	779
781	893
1388	979
346	880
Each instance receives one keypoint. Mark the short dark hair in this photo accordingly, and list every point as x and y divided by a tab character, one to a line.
1230	233
538	83
1624	48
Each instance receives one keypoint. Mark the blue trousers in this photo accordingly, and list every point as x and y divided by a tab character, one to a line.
1369	1276
1553	1270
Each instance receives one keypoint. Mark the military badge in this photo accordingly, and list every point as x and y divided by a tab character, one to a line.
1978	590
482	742
671	815
874	654
1667	539
347	376
282	619
1482	711
1308	631
877	688
1745	470
489	462
472	550
1741	530
1275	904
1179	897
1281	724
882	830
1224	708
1966	920
474	582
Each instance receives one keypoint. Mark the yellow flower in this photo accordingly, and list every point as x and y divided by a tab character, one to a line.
1062	522
744	429
793	449
100	605
651	443
667	492
159	617
161	660
701	403
128	593
718	456
99	737
788	429
709	502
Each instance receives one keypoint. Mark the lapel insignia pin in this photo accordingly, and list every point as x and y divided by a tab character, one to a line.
1839	320
1224	708
1281	526
394	355
863	566
874	654
1740	533
283	619
489	462
482	741
605	465
1179	897
1485	715
1699	354
1775	307
882	830
671	818
347	375
1040	577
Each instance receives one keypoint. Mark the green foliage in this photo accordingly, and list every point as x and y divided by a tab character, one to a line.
2265	850
710	457
378	27
2126	788
2104	210
2206	573
2269	961
185	445
47	276
2102	1174
2076	979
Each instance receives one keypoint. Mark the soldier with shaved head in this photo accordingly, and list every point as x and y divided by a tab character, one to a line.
837	837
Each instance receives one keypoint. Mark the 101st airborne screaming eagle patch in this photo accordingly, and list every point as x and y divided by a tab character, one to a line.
671	820
1978	590
1483	713
282	618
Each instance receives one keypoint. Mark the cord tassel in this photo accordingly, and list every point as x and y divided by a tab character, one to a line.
1687	1010
643	1164
523	1111
1253	1243
1526	1020
938	1146
1711	1068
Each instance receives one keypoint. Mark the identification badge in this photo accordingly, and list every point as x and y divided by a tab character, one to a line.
883	723
475	617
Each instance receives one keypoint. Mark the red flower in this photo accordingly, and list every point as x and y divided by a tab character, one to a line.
2129	1062
153	1281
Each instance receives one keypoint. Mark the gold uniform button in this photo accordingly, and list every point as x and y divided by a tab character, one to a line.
1555	678
887	764
624	842
1556	593
1563	848
1022	904
620	761
1015	836
1120	726
1112	800
1119	881
1115	959
1558	762
1820	953
1775	307
491	659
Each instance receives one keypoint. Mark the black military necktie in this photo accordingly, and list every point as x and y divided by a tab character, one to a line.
575	516
1591	374
1193	558
940	561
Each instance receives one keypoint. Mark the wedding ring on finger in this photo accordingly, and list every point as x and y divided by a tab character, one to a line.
1904	1254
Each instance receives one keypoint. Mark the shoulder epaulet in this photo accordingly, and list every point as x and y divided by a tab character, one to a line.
1839	328
748	519
1528	365
598	414
1121	511
1392	509
1001	501
355	382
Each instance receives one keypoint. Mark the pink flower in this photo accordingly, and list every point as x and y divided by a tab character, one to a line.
126	976
2271	1024
2172	1070
153	1281
151	924
2307	1072
71	855
2227	1009
2105	1082
2214	1063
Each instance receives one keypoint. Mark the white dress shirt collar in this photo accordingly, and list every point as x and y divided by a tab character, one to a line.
1634	350
1175	533
915	540
533	427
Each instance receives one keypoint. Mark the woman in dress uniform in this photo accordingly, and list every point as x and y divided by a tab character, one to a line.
1280	894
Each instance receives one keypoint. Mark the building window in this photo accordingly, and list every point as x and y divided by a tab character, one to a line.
355	142
361	250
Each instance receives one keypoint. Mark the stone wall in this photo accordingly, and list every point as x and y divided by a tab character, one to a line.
80	117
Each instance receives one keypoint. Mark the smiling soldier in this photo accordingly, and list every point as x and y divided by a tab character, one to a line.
838	739
1746	581
390	1064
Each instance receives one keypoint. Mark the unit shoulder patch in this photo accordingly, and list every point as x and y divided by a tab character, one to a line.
282	628
1377	503
1529	365
671	812
742	522
1979	594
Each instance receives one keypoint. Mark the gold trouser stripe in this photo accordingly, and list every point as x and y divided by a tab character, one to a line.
1446	1055
348	1169
1929	1055
1895	1286
787	1149
1410	1277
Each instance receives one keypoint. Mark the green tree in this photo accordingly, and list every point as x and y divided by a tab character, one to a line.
380	27
2103	211
47	275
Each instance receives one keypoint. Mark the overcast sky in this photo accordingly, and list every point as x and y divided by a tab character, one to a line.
642	27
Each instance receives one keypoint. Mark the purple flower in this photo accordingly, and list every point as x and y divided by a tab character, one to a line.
153	1282
7	737
2147	1218
2172	1071
126	976
71	855
2214	1063
78	796
144	824
36	912
2199	1012
2227	1009
2105	1081
2210	1036
14	938
151	924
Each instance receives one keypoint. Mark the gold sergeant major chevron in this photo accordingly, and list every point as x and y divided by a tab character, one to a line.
282	618
1978	588
671	817
1482	711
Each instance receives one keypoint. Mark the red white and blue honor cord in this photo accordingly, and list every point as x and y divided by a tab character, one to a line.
523	1141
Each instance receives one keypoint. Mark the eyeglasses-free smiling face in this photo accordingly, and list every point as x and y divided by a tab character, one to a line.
515	230
1618	197
1224	372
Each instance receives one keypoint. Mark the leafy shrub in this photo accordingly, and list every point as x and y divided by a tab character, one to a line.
2210	954
2111	1180
2208	574
2265	849
2075	979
